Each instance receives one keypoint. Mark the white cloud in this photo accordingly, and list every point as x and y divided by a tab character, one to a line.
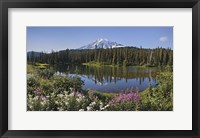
163	38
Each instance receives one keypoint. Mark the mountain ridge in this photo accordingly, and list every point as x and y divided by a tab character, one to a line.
102	43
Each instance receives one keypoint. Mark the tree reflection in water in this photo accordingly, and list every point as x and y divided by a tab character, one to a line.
112	79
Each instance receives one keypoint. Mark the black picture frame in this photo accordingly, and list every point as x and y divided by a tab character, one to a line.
4	80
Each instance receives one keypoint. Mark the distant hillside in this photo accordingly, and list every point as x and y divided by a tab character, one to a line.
36	54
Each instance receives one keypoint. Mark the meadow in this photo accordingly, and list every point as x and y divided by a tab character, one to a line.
50	91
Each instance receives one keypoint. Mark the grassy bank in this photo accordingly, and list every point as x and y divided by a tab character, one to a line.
98	64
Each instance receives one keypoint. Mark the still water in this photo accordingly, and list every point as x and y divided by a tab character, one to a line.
112	79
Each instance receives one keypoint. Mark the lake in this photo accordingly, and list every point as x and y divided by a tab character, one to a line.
111	79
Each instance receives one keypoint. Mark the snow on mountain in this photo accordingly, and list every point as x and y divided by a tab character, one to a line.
102	43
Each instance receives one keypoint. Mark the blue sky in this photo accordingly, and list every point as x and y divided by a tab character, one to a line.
47	39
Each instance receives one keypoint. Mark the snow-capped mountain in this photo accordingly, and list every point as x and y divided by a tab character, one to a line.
102	43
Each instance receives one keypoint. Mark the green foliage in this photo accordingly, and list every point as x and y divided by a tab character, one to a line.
159	98
105	97
49	92
47	86
60	84
32	84
114	56
45	73
76	83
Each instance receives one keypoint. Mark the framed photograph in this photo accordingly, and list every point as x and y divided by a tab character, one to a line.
99	69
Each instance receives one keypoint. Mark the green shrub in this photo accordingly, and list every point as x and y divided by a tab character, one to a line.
159	98
32	84
45	73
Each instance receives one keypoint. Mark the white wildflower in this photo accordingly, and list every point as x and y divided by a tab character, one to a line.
71	89
101	105
89	108
42	103
60	95
66	97
77	99
52	94
65	92
56	102
93	103
30	106
61	109
71	94
107	106
30	96
36	98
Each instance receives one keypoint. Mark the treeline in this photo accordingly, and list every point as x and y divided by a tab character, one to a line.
114	56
